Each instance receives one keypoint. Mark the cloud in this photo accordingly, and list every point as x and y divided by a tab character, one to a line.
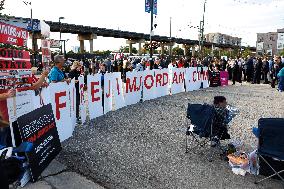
242	18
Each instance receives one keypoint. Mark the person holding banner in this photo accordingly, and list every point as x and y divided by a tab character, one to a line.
75	74
5	138
56	74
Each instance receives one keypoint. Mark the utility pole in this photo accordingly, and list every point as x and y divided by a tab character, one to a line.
151	31
27	3
201	42
171	39
60	18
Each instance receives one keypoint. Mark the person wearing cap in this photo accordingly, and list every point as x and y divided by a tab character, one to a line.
56	74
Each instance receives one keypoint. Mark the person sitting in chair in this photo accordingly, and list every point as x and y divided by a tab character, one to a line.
220	120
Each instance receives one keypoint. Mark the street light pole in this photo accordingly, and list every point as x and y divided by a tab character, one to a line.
151	31
60	18
202	29
171	39
27	3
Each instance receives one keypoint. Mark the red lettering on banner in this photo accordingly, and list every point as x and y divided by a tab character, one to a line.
193	76
205	75
108	94
175	79
94	91
131	87
117	86
58	105
199	75
165	75
82	93
159	79
138	88
152	82
181	77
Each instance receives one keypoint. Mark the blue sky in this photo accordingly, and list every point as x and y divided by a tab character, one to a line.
242	18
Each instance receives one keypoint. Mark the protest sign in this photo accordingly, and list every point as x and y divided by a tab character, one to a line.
39	127
178	76
162	82
59	95
72	98
13	35
149	85
83	111
107	92
95	96
224	77
133	89
11	59
118	92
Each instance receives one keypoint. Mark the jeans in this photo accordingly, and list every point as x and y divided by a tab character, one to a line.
281	84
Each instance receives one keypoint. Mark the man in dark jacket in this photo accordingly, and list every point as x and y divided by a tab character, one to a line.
257	71
265	70
249	65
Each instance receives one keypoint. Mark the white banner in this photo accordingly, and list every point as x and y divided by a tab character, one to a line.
83	111
162	82
205	78
178	77
107	92
149	85
134	82
73	101
59	95
20	105
95	96
41	97
118	93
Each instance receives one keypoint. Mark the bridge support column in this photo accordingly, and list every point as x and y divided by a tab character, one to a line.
140	48
162	49
91	46
90	37
82	46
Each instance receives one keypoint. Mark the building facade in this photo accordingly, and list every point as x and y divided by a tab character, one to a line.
271	43
220	38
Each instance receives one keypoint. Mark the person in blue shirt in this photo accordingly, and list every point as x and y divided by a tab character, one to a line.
56	74
280	75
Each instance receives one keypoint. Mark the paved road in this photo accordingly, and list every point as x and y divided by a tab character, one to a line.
139	147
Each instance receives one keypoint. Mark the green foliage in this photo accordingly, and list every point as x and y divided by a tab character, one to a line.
125	49
178	51
281	53
246	52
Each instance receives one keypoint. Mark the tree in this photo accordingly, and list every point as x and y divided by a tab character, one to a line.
282	53
125	49
246	52
178	51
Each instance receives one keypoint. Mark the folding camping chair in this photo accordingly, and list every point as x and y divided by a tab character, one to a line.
200	131
271	145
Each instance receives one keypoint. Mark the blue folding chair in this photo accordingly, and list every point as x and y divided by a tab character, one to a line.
271	145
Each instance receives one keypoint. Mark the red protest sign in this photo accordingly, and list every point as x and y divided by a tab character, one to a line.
11	59
13	35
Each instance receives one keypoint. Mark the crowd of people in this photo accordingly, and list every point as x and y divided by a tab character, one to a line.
249	69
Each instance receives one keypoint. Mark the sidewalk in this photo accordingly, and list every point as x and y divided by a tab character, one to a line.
64	180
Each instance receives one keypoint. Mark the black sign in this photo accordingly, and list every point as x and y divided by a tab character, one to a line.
215	80
39	127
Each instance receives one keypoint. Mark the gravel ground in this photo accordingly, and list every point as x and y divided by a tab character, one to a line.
140	146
